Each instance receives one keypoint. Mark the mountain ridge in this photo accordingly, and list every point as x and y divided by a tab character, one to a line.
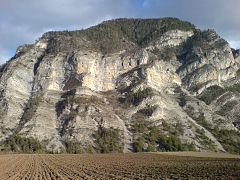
124	85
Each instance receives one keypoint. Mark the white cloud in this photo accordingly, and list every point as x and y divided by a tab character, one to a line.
24	21
234	44
4	55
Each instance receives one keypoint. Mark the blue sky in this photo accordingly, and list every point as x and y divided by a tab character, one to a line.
24	21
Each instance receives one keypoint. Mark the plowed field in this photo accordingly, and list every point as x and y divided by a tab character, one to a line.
117	166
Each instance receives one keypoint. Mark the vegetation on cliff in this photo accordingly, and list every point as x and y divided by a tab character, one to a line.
115	35
21	144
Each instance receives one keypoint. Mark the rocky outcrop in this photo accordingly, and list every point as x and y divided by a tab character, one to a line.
69	84
203	63
16	85
236	54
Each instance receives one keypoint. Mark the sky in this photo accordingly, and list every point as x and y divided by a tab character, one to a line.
24	21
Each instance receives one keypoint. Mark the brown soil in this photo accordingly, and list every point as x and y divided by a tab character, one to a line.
118	166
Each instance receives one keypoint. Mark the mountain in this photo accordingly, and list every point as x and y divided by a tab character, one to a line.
123	85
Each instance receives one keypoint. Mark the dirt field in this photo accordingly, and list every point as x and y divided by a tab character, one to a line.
118	166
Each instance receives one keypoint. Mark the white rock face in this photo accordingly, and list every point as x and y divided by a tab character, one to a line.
162	74
172	38
203	67
91	69
41	45
16	85
238	60
100	73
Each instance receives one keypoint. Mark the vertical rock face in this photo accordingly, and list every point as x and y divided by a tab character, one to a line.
204	64
16	85
236	54
69	84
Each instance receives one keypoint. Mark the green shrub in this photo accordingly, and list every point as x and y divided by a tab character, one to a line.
30	109
174	130
153	134
202	39
138	145
140	126
234	88
146	136
116	34
148	110
201	120
238	73
73	147
136	97
108	140
227	107
179	129
211	93
171	143
24	145
204	140
182	101
150	138
230	139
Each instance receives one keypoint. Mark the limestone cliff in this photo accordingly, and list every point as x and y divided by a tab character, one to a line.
119	73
